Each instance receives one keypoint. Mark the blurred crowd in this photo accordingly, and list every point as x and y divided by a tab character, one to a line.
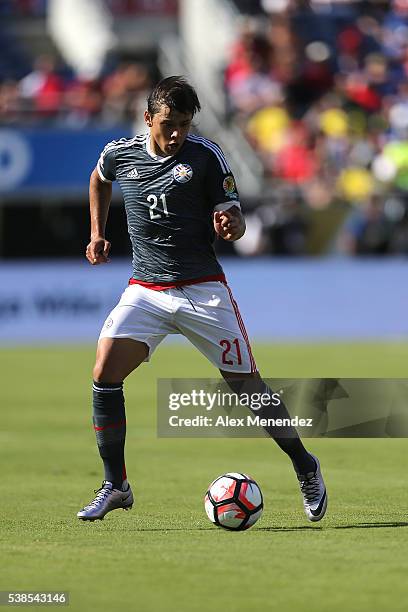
45	90
38	8
52	94
322	96
23	8
319	88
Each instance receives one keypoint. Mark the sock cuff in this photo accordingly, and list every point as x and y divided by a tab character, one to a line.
103	387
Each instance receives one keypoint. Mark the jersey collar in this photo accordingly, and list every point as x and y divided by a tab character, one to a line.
149	151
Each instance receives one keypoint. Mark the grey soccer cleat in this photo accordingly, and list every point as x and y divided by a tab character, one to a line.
107	499
314	493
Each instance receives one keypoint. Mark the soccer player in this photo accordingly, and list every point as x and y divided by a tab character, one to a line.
179	192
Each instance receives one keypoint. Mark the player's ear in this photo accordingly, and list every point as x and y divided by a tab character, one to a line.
148	118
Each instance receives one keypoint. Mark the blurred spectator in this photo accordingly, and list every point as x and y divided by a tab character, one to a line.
83	102
50	94
295	162
322	96
248	78
378	226
286	230
9	101
280	228
43	88
284	49
368	231
124	91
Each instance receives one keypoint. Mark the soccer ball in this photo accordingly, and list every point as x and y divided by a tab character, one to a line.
233	501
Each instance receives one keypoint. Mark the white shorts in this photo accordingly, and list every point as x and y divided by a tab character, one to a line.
205	313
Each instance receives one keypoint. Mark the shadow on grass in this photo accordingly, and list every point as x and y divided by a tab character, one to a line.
164	529
377	525
213	528
384	525
300	528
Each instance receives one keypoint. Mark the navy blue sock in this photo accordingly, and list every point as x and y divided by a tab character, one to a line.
109	419
287	438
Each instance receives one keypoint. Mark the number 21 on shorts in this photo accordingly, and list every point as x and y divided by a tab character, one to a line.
227	355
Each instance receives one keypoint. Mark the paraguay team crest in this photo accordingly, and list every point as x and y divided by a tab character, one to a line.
183	173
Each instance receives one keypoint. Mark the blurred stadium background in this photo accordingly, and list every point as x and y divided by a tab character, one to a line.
309	101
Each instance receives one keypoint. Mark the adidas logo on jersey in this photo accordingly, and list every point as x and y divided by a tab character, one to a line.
133	174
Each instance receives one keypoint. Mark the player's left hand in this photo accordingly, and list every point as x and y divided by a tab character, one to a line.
229	224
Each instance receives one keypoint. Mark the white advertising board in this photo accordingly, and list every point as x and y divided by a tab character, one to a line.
281	300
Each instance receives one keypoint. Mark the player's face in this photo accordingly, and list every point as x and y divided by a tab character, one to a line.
168	130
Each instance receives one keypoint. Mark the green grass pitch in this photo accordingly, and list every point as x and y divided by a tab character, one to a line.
164	555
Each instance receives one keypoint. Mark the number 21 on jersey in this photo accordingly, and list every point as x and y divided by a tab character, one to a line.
153	201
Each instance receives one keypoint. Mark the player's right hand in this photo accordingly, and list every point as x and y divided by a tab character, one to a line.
97	251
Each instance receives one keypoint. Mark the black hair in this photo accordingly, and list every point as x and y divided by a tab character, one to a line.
176	93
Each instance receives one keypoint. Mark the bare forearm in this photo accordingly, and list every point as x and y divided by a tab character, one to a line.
99	201
100	195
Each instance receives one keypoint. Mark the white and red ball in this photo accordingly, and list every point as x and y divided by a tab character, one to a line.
234	501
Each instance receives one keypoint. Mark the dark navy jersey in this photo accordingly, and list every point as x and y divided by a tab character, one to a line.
169	205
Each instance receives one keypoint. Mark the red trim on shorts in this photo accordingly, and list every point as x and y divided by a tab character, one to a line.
175	284
243	330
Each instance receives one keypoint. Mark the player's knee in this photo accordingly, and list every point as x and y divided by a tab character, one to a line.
103	372
98	372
